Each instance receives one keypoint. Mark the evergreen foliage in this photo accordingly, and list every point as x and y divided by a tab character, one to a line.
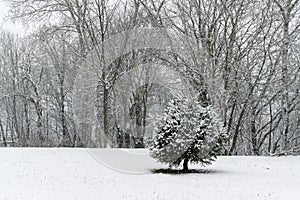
187	132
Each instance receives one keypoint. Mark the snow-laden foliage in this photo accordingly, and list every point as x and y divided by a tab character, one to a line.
187	131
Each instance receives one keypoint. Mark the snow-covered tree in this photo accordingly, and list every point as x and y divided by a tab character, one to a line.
187	132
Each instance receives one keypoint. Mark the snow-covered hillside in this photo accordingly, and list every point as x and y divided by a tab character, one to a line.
115	174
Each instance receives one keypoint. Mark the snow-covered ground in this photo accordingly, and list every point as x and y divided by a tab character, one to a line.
115	174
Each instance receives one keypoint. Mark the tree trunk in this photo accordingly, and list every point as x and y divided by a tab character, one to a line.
271	127
254	142
15	118
105	116
67	141
285	80
3	134
27	124
39	111
185	164
237	130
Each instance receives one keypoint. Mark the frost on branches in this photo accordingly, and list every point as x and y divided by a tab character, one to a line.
187	132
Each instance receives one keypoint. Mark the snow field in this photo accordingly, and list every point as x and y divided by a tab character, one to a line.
62	173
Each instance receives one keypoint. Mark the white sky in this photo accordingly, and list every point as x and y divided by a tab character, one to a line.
16	28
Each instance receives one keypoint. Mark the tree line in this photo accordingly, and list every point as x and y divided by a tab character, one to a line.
243	58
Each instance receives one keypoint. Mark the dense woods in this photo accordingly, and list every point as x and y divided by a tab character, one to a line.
61	85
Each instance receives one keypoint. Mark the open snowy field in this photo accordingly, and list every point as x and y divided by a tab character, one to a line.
125	174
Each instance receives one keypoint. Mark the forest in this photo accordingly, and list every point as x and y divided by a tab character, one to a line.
98	73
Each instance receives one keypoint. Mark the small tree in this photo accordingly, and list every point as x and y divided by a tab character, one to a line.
187	132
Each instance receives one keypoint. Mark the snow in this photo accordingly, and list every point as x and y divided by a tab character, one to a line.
62	173
13	27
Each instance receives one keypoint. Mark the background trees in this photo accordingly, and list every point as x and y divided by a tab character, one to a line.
240	56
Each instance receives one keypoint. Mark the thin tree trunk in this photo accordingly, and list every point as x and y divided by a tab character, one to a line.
236	132
285	95
66	136
39	111
254	141
271	127
105	116
15	117
27	123
3	134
